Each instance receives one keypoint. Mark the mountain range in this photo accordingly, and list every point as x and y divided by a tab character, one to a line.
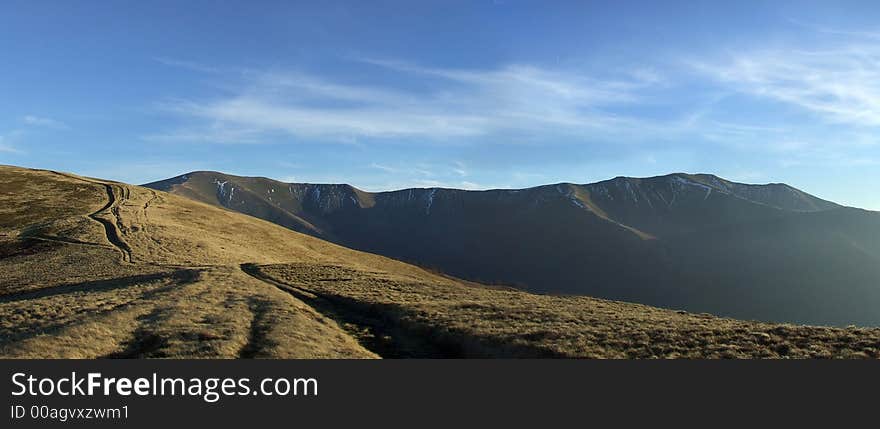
695	242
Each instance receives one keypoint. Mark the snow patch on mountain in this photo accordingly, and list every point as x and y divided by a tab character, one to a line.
430	200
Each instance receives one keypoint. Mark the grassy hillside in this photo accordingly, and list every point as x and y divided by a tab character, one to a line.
694	242
91	268
412	318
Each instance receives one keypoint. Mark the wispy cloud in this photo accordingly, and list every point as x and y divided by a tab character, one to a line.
37	121
839	84
188	65
142	171
7	147
451	104
429	183
459	168
216	132
384	168
419	169
863	34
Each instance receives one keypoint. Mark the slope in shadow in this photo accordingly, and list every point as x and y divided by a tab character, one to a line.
179	276
43	326
143	343
373	326
392	331
10	249
257	332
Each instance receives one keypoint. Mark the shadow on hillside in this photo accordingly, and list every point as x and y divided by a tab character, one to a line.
392	331
256	338
25	247
143	343
44	325
179	276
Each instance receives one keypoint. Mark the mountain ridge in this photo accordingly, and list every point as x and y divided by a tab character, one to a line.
719	183
629	239
594	197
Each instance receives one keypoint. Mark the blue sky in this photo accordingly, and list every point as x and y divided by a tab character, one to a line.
467	94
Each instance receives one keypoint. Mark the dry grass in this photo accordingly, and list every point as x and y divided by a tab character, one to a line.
98	269
66	290
466	321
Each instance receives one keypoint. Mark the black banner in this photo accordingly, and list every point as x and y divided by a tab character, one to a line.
458	393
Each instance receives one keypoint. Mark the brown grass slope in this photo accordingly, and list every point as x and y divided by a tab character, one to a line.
136	272
91	268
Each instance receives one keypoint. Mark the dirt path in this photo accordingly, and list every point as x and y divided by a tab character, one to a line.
254	271
112	229
153	198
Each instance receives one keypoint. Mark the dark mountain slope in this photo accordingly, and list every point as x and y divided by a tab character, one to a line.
821	267
696	242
